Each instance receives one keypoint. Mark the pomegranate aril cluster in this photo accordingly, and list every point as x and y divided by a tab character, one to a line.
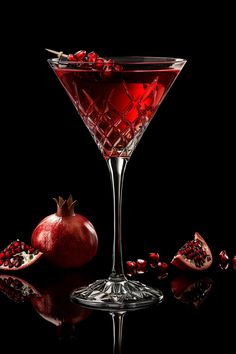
140	266
93	58
194	251
12	255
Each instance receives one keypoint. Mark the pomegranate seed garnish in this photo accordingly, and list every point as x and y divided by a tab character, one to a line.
99	63
141	266
71	57
153	257
92	57
224	258
80	55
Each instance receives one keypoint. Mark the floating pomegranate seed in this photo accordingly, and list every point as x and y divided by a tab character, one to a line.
141	266
154	257
80	55
224	258
92	57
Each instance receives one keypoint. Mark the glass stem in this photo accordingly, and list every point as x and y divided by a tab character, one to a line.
117	322
117	167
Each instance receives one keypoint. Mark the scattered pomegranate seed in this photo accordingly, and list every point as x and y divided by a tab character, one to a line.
141	266
131	265
163	267
131	268
224	258
153	257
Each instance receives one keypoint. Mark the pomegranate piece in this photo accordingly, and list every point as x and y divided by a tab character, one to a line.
141	266
193	255
18	255
17	289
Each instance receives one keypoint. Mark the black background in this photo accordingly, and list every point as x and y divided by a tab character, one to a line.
181	177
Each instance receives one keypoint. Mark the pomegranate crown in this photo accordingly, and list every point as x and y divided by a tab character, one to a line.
65	207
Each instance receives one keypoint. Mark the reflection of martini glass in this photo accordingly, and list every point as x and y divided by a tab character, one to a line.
116	107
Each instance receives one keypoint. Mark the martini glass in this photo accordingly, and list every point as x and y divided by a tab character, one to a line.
117	107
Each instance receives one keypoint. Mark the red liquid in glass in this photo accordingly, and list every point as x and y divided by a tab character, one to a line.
116	106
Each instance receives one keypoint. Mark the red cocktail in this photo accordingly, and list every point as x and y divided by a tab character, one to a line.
116	104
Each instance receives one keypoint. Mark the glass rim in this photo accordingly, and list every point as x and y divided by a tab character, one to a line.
129	60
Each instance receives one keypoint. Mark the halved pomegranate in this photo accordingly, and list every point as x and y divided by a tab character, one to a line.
193	255
192	291
18	255
17	289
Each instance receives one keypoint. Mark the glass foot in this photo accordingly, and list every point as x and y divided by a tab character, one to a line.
107	294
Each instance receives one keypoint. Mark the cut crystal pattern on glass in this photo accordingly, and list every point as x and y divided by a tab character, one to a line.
122	294
117	132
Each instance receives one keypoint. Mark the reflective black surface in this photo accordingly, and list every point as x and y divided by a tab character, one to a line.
196	309
181	178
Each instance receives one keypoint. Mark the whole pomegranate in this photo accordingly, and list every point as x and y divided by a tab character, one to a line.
67	240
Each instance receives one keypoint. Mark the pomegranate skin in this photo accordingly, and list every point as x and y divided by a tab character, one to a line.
66	241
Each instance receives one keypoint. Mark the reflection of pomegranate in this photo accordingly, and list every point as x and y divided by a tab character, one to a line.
193	255
191	290
67	239
17	289
54	304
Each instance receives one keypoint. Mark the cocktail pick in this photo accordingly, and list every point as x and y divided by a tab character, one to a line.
59	54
